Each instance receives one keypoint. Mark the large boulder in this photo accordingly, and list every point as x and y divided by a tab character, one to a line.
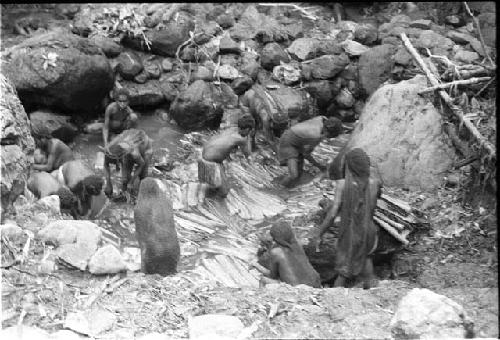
401	131
108	46
61	71
201	105
423	314
324	67
375	67
45	121
17	145
322	91
303	48
146	95
129	64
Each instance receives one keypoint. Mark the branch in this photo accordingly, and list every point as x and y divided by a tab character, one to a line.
448	100
453	83
476	22
295	7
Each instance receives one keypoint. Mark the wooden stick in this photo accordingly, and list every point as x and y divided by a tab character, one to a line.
476	22
390	230
454	83
485	87
295	7
483	142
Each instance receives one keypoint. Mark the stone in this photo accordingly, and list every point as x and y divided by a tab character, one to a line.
22	332
152	68
200	105
225	21
214	326
228	45
129	65
167	65
345	99
287	74
402	56
249	67
423	314
324	67
466	57
241	84
145	95
10	230
303	48
353	48
430	39
109	47
17	144
374	67
476	46
141	78
207	31
107	260
272	54
61	79
322	91
201	73
64	232
76	255
50	203
46	121
227	72
459	37
454	20
366	34
422	24
401	132
90	322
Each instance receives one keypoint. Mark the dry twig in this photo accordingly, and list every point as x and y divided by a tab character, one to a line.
483	142
454	83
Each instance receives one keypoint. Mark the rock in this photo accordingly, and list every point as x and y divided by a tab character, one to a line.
345	99
214	326
63	232
466	57
324	67
241	84
45	121
303	48
17	145
208	31
200	105
327	47
94	128
454	20
423	314
129	65
272	54
167	65
227	72
22	332
11	230
422	24
375	66
487	22
459	37
76	255
402	56
51	203
249	67
145	95
366	34
75	79
353	48
141	78
228	45
166	41
225	21
152	68
401	132
322	91
41	219
201	73
476	46
109	47
90	322
107	260
169	89
431	40
287	74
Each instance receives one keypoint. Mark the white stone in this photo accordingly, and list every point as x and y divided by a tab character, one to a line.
107	260
423	314
52	203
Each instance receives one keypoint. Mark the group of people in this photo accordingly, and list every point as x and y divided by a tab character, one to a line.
357	188
356	191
